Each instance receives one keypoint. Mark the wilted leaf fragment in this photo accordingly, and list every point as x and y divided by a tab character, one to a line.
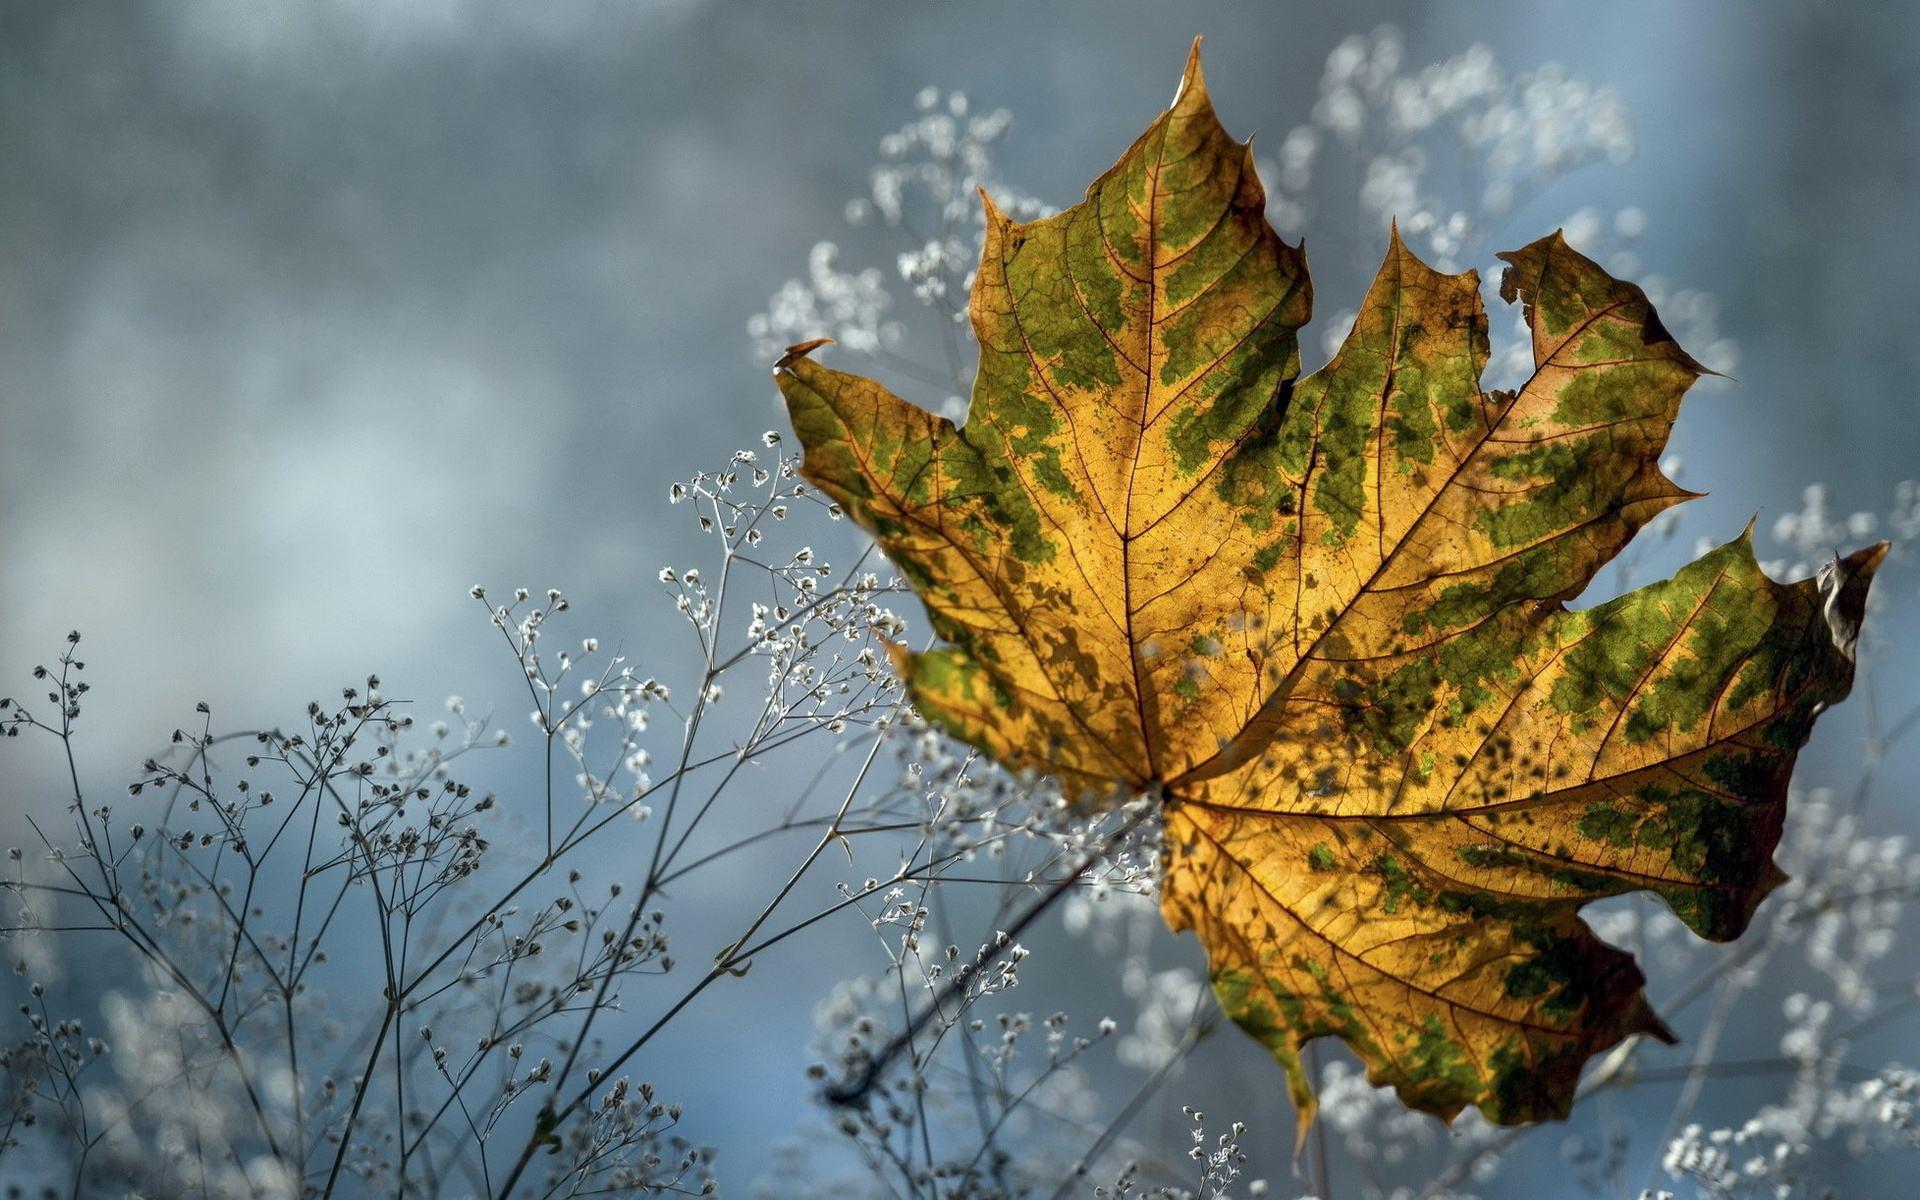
1325	617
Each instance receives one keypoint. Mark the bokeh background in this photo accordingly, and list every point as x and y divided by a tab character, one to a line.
311	316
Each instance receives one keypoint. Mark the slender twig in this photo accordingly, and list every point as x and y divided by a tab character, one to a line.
851	1092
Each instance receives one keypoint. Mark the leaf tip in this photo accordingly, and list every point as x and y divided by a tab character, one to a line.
1843	585
994	216
1647	1023
1306	1105
1869	558
1532	256
1193	80
799	350
1771	878
899	657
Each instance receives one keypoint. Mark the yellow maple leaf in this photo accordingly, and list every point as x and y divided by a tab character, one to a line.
1323	618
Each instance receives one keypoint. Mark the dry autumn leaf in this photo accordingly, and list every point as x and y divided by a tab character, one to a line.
1324	618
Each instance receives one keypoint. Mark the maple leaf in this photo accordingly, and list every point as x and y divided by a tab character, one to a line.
1324	618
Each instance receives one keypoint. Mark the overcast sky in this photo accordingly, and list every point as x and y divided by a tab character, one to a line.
312	316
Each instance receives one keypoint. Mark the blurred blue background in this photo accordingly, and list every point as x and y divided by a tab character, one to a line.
312	316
